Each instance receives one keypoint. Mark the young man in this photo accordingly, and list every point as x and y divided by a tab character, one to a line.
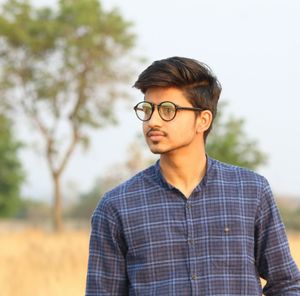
189	224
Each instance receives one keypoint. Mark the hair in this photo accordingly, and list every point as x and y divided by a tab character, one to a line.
195	79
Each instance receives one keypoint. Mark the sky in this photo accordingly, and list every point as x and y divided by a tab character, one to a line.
253	48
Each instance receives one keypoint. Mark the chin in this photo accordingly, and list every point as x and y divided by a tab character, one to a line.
157	150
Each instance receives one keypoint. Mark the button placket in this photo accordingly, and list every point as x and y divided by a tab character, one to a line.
190	240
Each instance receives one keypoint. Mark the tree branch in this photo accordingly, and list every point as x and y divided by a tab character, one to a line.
66	158
32	113
81	96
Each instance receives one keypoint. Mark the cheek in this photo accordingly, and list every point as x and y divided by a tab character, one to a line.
145	128
185	132
185	128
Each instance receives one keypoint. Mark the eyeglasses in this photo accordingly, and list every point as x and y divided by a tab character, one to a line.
166	110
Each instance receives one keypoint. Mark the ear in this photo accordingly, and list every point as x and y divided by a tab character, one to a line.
203	121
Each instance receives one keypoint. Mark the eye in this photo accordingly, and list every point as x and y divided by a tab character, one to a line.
147	109
167	109
143	110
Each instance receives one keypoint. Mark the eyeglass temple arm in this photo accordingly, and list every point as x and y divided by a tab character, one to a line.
189	108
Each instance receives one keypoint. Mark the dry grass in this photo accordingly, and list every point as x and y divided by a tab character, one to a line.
36	262
294	239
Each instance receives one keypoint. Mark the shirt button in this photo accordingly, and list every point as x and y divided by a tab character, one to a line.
190	241
189	205
226	230
194	277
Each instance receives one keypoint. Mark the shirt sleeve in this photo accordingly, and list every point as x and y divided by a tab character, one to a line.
273	259
106	266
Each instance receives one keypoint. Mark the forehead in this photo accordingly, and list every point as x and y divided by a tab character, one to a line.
157	95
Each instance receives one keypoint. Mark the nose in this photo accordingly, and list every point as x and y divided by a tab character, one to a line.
155	119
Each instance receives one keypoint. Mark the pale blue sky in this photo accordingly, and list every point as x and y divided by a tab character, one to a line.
252	46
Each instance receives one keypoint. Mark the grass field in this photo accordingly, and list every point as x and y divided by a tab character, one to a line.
36	262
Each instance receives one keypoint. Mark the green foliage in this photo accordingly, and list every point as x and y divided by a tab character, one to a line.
63	68
11	173
229	143
68	61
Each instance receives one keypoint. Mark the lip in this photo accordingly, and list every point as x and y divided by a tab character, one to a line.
155	135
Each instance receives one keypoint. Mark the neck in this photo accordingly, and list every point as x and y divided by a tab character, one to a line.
184	170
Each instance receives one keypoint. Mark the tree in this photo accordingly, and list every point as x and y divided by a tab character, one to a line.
229	142
11	173
63	70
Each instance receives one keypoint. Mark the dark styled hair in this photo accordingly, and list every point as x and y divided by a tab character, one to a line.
195	79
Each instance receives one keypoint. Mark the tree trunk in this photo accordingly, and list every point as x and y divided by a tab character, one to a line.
57	206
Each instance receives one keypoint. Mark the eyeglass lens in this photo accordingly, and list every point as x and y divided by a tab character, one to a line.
166	110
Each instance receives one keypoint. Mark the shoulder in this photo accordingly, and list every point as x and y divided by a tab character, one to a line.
242	184
133	185
118	198
232	174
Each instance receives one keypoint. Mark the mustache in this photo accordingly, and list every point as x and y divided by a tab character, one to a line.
156	130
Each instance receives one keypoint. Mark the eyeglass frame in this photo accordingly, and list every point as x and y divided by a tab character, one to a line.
158	107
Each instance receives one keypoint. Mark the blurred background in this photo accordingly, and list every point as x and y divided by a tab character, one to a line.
68	132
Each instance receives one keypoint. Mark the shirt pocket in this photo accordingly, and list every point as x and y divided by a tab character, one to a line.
228	246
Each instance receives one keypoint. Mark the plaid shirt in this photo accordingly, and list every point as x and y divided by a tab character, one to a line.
148	239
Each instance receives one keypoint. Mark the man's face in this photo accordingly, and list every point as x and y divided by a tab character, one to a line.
175	135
